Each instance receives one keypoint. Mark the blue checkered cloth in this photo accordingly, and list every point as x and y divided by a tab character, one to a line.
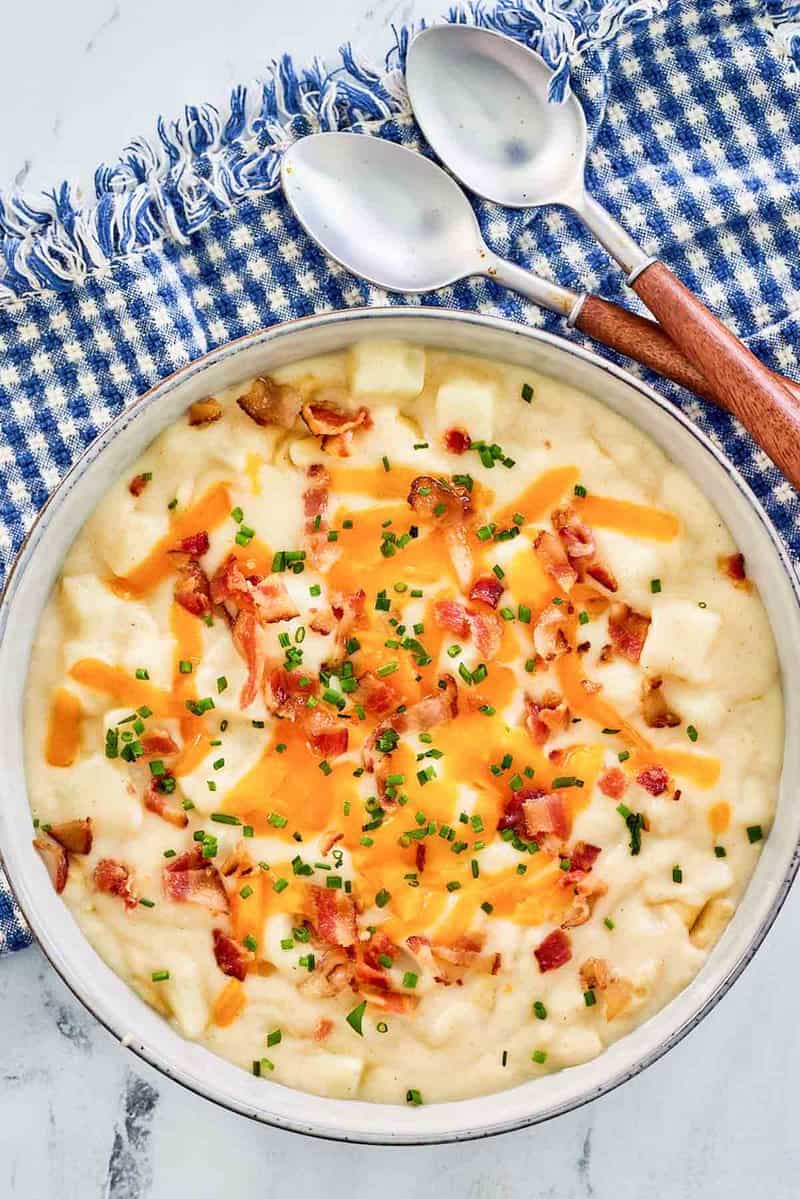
693	108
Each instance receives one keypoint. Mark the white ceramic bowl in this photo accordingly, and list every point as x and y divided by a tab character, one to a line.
37	568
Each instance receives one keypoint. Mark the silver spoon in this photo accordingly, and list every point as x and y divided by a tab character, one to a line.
398	220
481	101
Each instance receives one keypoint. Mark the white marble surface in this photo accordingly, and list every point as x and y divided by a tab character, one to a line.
79	1117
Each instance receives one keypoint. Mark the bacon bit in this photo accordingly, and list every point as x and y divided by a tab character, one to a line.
114	878
325	420
628	630
488	590
457	441
420	855
192	589
191	878
654	706
195	545
544	814
545	716
138	484
283	695
595	974
73	835
587	889
270	403
334	917
497	964
549	634
232	958
391	1002
733	566
267	599
613	783
321	552
581	548
606	654
323	1030
248	640
452	616
378	945
555	951
431	710
618	996
484	627
377	696
654	779
205	412
322	621
553	557
427	494
348	608
512	816
55	859
157	743
155	800
325	738
583	856
328	841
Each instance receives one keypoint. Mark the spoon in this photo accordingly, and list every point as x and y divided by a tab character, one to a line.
398	220
481	100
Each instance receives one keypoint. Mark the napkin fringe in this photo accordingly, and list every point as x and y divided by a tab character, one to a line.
210	158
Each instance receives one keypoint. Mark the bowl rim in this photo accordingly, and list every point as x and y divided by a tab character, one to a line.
311	1126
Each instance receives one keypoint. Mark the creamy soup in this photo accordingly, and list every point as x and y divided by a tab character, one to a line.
403	726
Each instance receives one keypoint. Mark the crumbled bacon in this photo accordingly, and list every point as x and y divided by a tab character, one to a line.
321	621
348	608
550	632
205	412
73	835
628	630
138	484
583	856
195	545
581	549
553	557
191	878
323	1029
545	716
326	738
457	441
157	743
232	958
155	800
656	713
249	642
55	859
391	1002
267	599
733	566
586	890
484	627
114	878
544	814
321	552
654	779
595	974
334	916
377	696
432	710
284	696
613	783
192	590
488	590
555	951
379	945
447	503
420	854
325	420
328	841
270	403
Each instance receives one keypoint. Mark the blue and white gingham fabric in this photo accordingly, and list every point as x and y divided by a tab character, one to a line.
693	107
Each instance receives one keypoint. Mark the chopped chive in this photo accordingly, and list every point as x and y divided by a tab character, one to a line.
160	976
356	1017
691	732
527	392
754	833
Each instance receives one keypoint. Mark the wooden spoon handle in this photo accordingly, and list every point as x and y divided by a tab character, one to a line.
646	342
734	376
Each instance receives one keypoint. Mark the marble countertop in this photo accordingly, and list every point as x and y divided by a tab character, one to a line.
79	1116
